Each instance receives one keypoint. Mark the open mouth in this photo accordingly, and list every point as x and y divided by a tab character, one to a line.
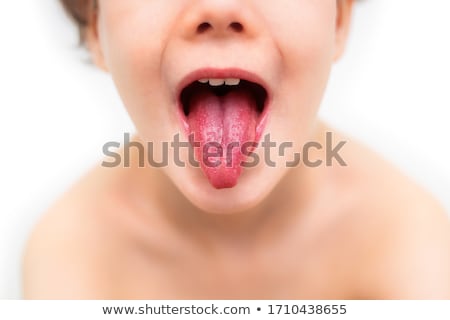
220	88
224	117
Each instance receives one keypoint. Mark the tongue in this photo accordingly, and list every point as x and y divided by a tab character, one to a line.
222	126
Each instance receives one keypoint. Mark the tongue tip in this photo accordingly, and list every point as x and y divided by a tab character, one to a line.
223	184
223	179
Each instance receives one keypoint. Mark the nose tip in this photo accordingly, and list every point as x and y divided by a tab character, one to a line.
218	18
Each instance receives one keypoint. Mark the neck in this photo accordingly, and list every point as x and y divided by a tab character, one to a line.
270	218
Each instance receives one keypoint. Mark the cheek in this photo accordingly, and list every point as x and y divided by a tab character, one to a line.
307	48
128	42
308	41
132	42
309	62
304	30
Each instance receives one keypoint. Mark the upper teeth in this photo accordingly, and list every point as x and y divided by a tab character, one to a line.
221	82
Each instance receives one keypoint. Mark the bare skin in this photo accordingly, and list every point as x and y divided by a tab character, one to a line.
361	231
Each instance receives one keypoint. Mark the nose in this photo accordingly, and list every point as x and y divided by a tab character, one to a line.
218	18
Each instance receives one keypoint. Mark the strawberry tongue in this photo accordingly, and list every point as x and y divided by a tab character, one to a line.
222	125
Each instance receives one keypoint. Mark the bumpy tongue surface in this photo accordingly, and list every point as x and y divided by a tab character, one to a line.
221	126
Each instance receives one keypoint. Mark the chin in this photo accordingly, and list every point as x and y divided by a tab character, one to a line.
251	189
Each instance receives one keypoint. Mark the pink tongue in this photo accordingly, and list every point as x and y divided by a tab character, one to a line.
221	126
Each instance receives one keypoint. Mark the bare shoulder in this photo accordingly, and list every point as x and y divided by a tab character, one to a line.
405	231
67	251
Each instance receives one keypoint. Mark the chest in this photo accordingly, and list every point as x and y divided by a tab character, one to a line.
286	275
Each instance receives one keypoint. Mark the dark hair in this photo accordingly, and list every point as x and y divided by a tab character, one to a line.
80	11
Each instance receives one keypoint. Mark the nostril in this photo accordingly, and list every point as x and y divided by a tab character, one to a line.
206	26
236	26
203	27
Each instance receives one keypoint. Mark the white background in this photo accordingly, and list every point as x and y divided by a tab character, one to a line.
391	91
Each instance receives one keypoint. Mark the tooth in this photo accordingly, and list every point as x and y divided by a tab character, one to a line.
203	80
232	82
216	82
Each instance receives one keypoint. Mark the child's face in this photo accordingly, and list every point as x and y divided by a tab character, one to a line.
286	46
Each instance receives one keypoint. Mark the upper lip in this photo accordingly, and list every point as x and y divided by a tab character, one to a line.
227	73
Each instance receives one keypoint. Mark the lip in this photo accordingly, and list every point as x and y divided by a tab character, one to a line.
212	73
